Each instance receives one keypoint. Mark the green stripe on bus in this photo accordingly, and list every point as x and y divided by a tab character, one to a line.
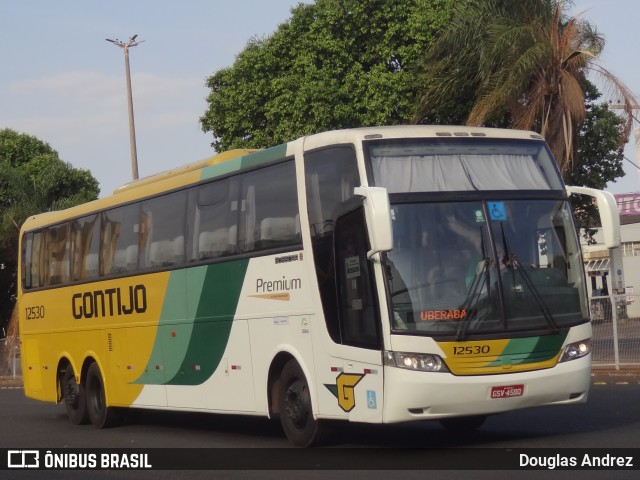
223	168
264	156
247	161
173	333
530	350
215	311
547	347
194	326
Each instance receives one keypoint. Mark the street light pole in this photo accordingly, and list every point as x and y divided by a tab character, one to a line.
132	42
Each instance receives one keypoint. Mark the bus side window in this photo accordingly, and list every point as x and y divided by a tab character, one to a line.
270	208
330	177
57	254
37	267
30	244
359	323
213	220
162	230
86	247
121	239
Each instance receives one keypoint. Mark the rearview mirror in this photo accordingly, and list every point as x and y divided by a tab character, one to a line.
378	217
608	210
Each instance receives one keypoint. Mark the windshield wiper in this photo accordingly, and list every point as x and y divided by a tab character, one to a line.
517	266
480	279
469	305
511	261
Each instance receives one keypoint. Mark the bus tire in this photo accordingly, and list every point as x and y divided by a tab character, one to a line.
74	398
296	411
463	424
100	415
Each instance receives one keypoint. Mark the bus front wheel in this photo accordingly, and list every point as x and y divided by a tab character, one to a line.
296	412
100	415
74	398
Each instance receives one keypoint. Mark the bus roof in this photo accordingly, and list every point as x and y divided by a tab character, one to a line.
221	164
411	131
160	182
239	159
216	159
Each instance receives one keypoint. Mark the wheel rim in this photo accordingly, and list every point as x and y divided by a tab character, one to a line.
298	404
72	393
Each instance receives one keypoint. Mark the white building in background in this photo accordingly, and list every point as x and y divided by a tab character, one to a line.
620	272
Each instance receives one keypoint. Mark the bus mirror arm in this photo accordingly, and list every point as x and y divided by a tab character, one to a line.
608	211
377	212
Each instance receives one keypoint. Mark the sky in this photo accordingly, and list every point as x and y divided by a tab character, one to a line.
63	83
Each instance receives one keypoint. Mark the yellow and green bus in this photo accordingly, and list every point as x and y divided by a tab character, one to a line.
379	275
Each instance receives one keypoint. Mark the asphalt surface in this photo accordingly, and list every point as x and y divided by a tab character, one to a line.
609	375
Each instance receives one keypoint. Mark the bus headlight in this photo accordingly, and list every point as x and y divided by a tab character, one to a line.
576	350
415	361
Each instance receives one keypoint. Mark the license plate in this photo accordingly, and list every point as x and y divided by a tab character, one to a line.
507	391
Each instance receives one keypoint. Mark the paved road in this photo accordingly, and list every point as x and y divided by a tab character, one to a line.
610	419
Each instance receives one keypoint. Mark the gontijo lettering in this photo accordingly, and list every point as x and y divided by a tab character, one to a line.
109	302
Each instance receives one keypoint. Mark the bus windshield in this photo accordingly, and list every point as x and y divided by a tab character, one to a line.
471	256
474	267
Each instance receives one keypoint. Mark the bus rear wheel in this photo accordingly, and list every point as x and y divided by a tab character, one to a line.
100	415
74	398
296	411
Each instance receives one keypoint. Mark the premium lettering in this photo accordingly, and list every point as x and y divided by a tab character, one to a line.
268	286
109	302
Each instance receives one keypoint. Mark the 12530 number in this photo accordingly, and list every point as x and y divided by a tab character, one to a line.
472	350
34	313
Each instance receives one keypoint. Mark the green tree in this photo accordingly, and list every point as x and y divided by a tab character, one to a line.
599	157
19	148
524	62
333	64
32	180
599	154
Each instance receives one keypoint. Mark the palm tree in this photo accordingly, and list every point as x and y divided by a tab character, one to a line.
525	59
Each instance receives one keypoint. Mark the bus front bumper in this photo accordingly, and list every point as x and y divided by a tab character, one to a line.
411	395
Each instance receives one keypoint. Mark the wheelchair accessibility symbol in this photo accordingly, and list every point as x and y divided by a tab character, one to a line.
497	211
371	399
